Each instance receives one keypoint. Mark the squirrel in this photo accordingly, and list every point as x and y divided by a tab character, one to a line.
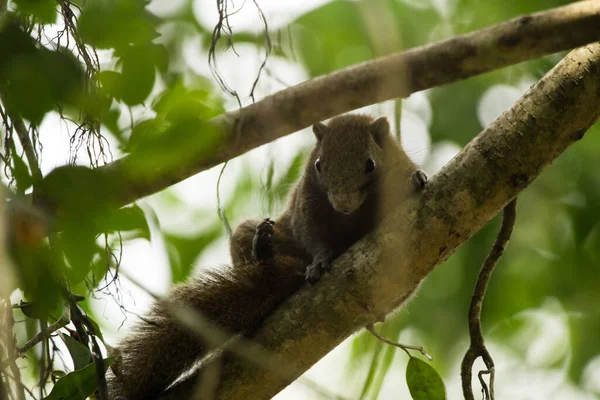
354	175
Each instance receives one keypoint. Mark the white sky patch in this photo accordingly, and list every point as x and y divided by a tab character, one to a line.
278	13
499	98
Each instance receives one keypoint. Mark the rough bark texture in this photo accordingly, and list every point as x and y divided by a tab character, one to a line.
381	271
397	75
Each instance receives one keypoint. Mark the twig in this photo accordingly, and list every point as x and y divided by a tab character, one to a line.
404	347
25	140
6	332
88	335
477	348
267	50
220	209
60	323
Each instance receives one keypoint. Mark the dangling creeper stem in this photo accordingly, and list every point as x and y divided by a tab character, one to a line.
477	348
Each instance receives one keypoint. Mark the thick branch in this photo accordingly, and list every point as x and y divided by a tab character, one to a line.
382	270
390	77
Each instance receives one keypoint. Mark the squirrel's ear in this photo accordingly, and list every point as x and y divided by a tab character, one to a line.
380	128
319	129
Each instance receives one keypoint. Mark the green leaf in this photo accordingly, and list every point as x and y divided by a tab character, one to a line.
31	310
77	385
423	381
96	327
80	354
35	79
79	247
111	83
385	364
127	219
137	75
183	251
591	244
178	103
58	374
43	10
21	174
372	370
117	23
145	132
283	186
160	57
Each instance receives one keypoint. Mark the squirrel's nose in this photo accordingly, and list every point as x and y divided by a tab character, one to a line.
345	203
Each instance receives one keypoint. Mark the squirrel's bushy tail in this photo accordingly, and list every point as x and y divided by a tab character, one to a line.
160	348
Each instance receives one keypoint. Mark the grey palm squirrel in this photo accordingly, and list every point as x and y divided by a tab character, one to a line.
355	174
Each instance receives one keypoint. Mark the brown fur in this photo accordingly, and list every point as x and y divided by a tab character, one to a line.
310	232
343	147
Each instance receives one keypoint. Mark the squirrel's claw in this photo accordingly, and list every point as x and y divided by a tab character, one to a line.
262	244
419	180
315	270
313	273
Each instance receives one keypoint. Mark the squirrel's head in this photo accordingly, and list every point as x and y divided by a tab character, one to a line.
348	158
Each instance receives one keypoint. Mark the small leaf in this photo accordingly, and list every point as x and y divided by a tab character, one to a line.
97	330
591	244
21	174
111	83
183	251
58	374
137	75
80	354
372	370
129	23
127	219
77	385
79	248
160	57
43	10
30	310
423	381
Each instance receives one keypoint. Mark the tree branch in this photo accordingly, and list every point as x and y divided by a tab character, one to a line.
382	270
385	78
60	323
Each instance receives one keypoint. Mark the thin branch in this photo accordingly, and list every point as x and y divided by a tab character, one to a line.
25	140
60	323
268	47
477	348
220	209
9	344
88	335
298	107
404	347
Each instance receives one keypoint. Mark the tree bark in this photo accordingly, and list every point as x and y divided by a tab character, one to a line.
381	271
385	78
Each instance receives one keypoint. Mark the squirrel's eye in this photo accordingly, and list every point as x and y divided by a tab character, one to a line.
318	165
370	166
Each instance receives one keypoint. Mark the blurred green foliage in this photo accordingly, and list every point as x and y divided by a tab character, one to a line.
554	253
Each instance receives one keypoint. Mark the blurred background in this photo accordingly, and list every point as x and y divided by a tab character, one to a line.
541	315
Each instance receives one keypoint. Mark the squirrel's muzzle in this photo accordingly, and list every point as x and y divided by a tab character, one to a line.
345	203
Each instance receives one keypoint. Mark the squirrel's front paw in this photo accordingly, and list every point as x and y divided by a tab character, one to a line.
316	269
419	180
262	243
